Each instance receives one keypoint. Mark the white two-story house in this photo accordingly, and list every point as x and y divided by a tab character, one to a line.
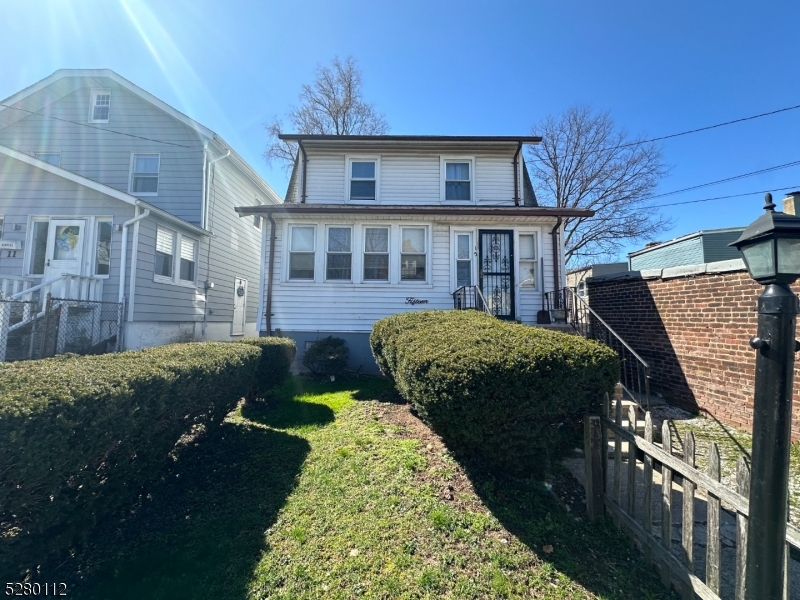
377	225
109	194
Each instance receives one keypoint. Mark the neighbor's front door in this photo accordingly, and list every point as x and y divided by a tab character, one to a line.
239	306
65	244
497	271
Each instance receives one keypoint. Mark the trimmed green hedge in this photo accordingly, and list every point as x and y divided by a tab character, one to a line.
501	392
277	355
81	435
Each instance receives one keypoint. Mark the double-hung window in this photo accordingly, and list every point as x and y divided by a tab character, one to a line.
527	260
362	179
463	259
413	253
102	253
144	174
301	252
376	254
457	180
100	107
339	254
165	253
186	272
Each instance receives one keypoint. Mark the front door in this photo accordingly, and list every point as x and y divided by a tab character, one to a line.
64	254
497	271
239	306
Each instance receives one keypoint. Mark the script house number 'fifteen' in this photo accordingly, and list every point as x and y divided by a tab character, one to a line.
413	301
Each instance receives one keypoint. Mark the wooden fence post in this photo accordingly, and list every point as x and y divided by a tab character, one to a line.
712	526
743	488
666	504
648	488
595	456
687	527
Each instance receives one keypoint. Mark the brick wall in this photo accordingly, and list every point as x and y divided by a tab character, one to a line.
693	331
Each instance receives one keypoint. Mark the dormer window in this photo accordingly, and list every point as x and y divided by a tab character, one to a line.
458	180
363	179
101	105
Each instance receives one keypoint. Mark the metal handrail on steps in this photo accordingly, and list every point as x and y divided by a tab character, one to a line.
463	301
634	370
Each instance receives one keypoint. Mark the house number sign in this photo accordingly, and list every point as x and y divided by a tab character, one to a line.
413	301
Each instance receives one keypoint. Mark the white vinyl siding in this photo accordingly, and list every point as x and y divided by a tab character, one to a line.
54	158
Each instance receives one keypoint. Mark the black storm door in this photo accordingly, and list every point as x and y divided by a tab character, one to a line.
497	272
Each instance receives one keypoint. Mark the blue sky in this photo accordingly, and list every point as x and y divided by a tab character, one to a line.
450	68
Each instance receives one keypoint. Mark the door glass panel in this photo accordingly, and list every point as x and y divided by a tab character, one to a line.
464	250
39	244
67	242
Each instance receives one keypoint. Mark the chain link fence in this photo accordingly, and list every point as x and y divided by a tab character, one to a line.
30	330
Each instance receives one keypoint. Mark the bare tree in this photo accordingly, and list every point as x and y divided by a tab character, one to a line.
333	105
585	162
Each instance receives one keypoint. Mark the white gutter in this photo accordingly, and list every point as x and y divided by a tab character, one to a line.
124	258
213	160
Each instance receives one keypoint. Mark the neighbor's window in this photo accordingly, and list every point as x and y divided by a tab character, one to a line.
457	180
102	253
362	179
144	174
257	222
54	158
463	259
39	247
527	260
376	254
2	223
412	254
339	255
165	252
188	259
301	252
101	104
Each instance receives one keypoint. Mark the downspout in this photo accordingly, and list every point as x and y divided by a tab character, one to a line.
305	164
556	266
516	175
268	315
204	200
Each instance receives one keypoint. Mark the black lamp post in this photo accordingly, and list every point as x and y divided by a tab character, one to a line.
770	247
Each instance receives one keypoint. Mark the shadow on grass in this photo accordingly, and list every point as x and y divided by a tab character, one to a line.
203	531
595	555
285	413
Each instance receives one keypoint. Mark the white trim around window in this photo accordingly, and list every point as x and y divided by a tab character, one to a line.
102	241
358	174
301	252
529	259
100	106
144	175
463	249
175	258
339	253
411	247
458	180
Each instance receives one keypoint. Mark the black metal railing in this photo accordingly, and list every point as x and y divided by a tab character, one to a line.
634	371
469	297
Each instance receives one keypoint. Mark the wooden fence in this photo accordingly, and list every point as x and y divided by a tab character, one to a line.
604	495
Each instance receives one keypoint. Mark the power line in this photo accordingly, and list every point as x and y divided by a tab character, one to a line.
139	137
727	179
674	135
791	187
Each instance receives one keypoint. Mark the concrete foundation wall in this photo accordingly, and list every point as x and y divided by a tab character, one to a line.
145	334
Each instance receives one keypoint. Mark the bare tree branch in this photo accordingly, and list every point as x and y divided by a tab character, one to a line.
584	162
331	105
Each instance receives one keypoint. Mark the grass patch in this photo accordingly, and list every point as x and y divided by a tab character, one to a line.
320	492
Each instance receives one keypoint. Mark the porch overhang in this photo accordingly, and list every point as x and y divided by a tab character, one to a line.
295	210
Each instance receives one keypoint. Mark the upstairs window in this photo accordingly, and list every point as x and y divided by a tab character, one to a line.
363	179
301	252
457	181
54	158
339	258
144	174
527	260
101	105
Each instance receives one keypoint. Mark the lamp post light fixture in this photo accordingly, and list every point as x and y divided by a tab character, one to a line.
770	247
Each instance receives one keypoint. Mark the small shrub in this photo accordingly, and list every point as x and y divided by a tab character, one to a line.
500	392
277	356
328	356
80	436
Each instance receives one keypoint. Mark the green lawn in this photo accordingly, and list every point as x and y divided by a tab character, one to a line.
337	491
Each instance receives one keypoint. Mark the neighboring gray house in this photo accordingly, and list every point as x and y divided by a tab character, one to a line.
695	248
576	278
108	193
